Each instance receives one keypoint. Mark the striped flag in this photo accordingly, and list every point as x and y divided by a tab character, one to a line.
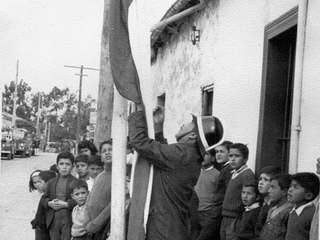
125	70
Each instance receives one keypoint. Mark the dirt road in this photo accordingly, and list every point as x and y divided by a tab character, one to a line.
17	205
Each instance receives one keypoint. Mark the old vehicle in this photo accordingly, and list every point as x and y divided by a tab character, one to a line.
23	142
7	147
16	142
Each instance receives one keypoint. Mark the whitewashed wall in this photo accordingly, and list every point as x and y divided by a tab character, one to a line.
230	55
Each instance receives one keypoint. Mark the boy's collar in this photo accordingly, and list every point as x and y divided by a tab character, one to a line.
236	172
253	206
300	209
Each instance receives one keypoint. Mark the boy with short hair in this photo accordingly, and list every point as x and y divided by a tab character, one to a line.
57	199
95	167
205	191
232	207
250	197
314	230
211	228
81	164
276	223
303	190
79	192
266	175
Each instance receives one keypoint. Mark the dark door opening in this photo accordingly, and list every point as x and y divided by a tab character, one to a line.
276	105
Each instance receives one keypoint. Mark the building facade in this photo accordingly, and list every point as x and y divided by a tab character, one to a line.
255	67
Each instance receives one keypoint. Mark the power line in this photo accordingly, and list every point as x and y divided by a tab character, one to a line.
79	102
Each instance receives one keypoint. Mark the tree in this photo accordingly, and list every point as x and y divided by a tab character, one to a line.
23	109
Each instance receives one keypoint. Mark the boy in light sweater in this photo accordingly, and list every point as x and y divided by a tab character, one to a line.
79	193
232	207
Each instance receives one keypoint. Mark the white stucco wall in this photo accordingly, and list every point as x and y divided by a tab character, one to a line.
229	55
309	144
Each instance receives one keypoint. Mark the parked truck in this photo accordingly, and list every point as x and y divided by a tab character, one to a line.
16	142
7	146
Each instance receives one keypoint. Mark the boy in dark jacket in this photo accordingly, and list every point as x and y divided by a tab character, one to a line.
58	201
303	190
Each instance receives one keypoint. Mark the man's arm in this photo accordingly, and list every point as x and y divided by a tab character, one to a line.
161	155
103	217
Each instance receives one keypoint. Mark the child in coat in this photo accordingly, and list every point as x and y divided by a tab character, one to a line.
303	190
264	185
58	201
232	207
250	198
275	227
39	222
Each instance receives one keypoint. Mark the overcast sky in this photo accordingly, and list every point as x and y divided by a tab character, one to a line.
45	35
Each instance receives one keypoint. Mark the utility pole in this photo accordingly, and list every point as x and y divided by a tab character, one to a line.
14	114
38	117
48	139
79	101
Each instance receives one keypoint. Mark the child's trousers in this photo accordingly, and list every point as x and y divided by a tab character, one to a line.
229	228
60	228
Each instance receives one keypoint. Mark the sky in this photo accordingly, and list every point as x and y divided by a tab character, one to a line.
45	35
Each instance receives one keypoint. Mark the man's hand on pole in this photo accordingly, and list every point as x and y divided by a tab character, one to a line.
158	118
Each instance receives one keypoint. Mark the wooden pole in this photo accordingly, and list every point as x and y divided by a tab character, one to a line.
38	117
79	109
14	113
105	99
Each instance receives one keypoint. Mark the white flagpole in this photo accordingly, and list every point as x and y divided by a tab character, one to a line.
119	145
139	33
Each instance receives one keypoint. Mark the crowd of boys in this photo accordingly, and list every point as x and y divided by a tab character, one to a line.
277	206
209	176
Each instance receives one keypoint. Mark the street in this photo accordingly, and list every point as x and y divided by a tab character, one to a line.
17	205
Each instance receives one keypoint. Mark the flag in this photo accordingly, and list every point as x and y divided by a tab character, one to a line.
126	80
123	68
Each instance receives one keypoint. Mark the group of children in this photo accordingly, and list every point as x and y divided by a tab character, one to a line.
231	203
75	204
277	206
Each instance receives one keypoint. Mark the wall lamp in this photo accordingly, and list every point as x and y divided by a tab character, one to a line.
195	35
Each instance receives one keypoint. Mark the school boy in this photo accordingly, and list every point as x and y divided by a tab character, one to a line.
98	202
205	191
176	169
211	228
303	190
314	230
276	223
250	197
79	192
232	207
81	164
58	201
95	167
265	177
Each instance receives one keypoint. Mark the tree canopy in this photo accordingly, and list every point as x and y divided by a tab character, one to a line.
59	107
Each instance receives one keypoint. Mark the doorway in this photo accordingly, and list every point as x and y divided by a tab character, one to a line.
277	92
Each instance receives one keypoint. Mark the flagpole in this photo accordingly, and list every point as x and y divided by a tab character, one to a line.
141	53
119	143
